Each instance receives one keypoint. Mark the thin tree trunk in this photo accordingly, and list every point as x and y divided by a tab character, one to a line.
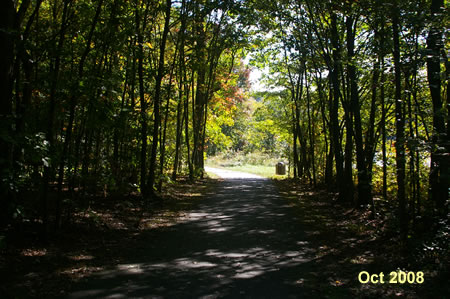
143	102
400	127
48	170
7	14
294	134
370	145
334	109
157	100
181	90
364	190
162	147
328	171
383	119
72	103
412	150
439	172
310	131
178	133
186	134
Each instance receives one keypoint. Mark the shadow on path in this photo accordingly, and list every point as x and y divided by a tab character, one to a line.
243	240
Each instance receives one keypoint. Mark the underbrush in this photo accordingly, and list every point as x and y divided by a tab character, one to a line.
96	235
426	248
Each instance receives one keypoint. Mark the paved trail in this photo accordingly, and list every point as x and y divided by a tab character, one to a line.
242	241
231	174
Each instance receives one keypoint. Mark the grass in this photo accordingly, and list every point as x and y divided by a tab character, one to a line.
212	175
261	165
239	158
264	171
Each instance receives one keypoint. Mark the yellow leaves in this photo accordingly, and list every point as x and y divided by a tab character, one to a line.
147	45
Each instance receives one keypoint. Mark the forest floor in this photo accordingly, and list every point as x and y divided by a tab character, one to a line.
233	237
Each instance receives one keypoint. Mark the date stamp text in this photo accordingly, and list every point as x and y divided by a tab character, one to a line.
399	276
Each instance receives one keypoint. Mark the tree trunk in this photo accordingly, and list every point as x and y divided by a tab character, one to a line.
162	148
364	190
439	172
334	109
383	118
72	104
181	90
178	134
7	13
186	133
294	134
400	128
55	68
370	146
143	102
157	100
310	131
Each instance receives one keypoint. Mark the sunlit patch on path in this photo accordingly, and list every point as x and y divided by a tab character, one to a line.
231	174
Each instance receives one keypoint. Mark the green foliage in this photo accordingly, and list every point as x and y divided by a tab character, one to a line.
239	122
232	159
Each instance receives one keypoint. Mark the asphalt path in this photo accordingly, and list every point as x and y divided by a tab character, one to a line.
242	241
231	174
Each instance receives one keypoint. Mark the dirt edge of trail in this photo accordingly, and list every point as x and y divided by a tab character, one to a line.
30	268
349	241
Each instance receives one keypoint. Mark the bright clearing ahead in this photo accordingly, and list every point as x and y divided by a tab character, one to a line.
230	174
